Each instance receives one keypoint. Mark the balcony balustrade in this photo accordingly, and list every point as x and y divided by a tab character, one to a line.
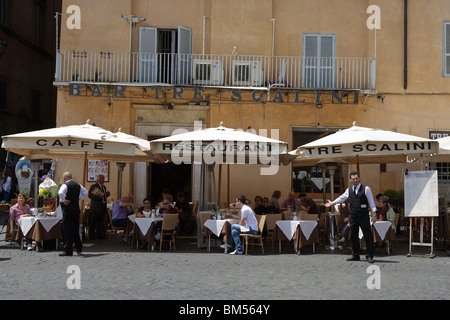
215	70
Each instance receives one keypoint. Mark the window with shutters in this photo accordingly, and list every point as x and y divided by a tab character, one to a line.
319	60
446	53
165	55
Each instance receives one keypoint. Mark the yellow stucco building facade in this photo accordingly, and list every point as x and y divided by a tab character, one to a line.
302	68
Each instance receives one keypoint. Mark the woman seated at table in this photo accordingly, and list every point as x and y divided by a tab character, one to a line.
147	207
385	212
17	211
310	206
274	205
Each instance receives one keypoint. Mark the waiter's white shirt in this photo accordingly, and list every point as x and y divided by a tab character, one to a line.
63	191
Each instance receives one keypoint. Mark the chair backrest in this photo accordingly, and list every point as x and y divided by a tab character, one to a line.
271	220
110	216
170	221
261	224
322	221
397	216
204	217
308	216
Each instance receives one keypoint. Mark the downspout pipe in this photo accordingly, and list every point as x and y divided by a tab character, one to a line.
405	45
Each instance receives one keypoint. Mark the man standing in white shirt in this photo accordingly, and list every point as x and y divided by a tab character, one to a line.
361	200
247	224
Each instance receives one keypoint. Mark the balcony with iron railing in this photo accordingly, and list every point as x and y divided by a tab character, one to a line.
145	69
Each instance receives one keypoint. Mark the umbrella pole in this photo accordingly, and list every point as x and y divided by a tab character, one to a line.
201	204
219	188
357	164
35	165
84	185
228	185
214	186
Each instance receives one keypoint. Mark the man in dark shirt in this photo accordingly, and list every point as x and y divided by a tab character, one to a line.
98	195
259	206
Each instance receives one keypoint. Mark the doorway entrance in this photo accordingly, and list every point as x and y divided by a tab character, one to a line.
174	178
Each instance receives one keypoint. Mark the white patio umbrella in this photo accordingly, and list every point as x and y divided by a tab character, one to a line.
218	146
78	142
360	145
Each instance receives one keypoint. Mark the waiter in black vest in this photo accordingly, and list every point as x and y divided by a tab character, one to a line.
361	201
69	195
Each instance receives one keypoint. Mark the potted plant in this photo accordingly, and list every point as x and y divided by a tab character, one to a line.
48	196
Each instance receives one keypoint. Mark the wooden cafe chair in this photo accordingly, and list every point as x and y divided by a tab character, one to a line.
271	220
114	230
255	237
170	221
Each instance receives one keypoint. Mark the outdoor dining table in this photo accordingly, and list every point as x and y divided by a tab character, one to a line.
304	232
218	228
39	229
382	231
143	229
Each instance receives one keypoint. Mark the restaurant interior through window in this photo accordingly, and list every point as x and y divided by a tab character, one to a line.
309	178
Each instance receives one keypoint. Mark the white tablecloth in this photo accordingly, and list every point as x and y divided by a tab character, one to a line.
216	226
26	223
144	224
288	227
382	228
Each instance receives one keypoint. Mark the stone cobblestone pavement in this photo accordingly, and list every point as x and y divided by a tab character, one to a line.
116	271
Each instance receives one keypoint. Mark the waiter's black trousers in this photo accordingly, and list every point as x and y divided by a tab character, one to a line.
71	231
362	221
